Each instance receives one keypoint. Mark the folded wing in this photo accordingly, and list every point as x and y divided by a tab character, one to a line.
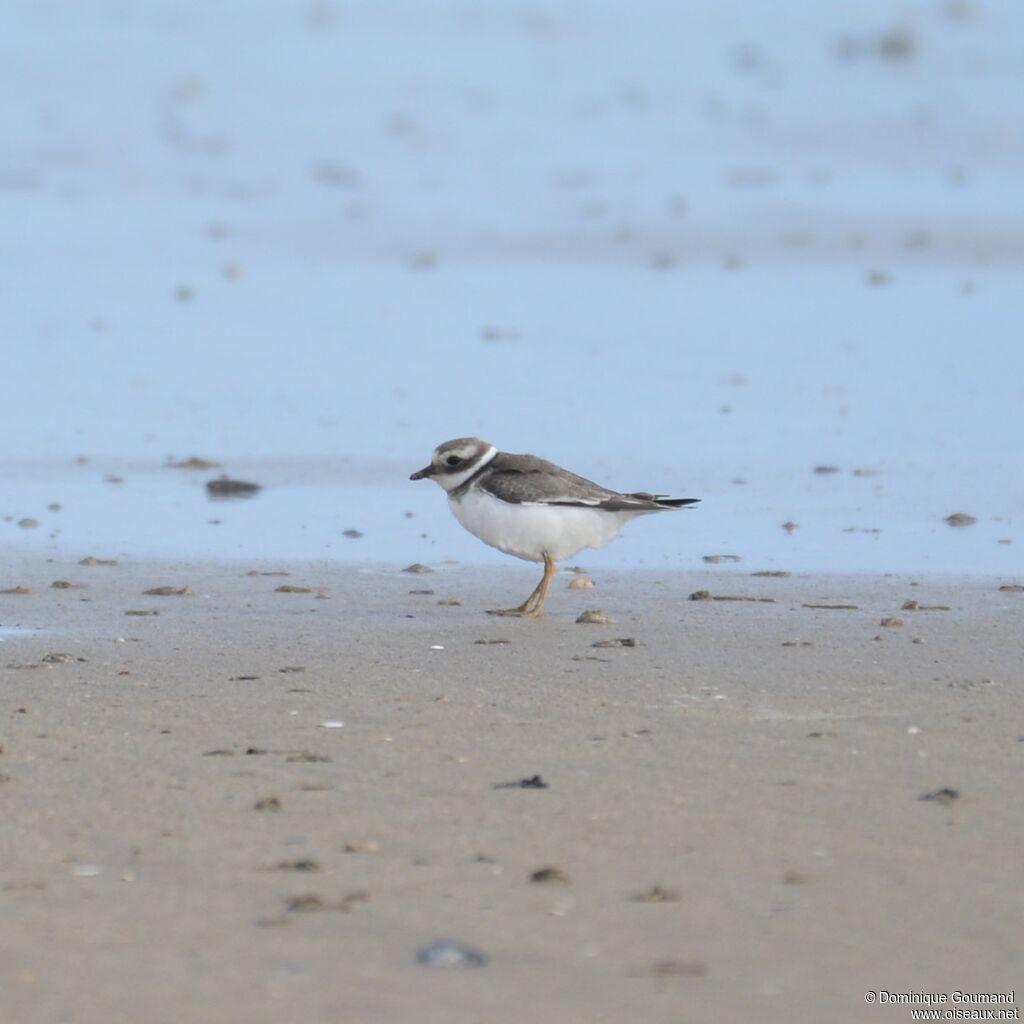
527	480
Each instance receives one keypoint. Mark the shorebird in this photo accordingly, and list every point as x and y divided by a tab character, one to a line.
531	508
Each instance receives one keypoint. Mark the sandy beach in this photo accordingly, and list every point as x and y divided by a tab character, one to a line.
255	804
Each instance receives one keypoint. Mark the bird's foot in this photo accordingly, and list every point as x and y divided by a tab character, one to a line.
521	612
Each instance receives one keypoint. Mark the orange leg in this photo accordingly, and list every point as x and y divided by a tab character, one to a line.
533	606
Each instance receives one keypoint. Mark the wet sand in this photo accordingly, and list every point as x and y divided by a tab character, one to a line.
759	811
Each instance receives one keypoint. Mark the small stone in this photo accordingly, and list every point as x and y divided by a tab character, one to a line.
20	590
594	617
717	559
28	523
655	894
891	620
57	659
352	534
450	602
550	874
826	469
361	846
194	462
91	560
142	612
624	641
304	864
168	592
418	567
225	487
581	583
267	803
1012	588
909	605
961	519
945	795
448	955
491	642
531	782
62	584
790	526
305	903
291	588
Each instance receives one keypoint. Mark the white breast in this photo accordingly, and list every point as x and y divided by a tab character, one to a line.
527	531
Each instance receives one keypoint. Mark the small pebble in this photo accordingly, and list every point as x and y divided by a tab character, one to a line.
945	795
961	519
531	782
581	583
549	874
448	955
223	487
593	616
655	894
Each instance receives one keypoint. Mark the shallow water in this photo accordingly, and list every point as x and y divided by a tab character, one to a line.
668	252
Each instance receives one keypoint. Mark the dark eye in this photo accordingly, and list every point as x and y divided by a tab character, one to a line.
453	461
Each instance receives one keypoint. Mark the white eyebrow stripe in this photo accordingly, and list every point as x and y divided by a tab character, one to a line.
451	481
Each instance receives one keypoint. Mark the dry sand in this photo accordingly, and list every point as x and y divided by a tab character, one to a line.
736	822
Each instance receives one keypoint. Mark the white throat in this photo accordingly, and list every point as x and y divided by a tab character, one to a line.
452	481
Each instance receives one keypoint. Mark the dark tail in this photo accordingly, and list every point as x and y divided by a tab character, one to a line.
641	501
674	502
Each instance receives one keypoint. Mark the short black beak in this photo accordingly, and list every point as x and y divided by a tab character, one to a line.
422	474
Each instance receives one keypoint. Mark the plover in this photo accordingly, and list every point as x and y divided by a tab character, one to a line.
531	508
